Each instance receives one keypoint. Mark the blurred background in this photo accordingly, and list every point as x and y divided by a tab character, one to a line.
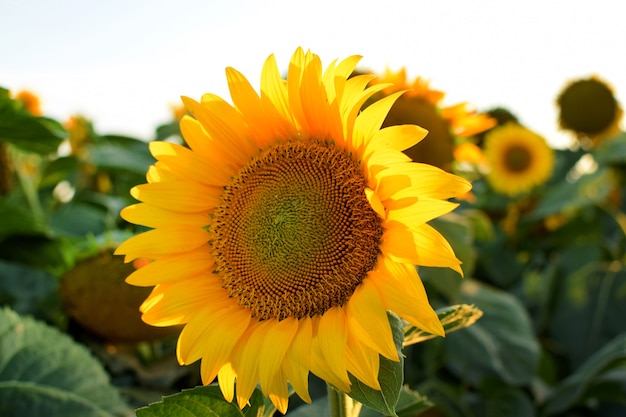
122	63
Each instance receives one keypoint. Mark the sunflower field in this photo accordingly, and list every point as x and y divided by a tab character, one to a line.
339	243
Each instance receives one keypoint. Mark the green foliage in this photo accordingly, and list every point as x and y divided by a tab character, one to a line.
29	133
44	373
202	402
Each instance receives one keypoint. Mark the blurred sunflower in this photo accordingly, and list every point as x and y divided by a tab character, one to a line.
30	101
421	105
518	159
588	108
286	231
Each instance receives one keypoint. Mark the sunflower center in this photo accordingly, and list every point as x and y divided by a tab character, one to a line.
294	234
517	158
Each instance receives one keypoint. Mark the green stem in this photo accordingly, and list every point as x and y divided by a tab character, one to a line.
341	405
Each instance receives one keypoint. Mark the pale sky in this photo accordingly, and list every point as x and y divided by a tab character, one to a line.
123	62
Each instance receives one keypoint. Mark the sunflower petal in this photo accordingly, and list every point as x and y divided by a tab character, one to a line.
164	241
367	320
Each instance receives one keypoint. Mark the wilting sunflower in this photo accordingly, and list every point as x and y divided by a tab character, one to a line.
518	159
287	230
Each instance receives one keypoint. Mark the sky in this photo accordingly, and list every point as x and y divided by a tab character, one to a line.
123	63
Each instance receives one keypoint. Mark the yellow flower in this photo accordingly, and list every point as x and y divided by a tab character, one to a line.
287	230
30	101
518	159
422	105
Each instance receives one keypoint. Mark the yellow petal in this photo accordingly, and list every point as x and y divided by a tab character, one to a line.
297	360
226	379
375	202
363	361
424	180
422	211
398	138
402	291
434	249
155	217
186	163
224	125
224	331
272	350
371	119
367	320
328	349
174	267
183	196
201	329
159	242
266	123
274	89
176	302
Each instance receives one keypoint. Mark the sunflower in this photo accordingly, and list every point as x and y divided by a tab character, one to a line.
422	105
518	159
286	230
587	107
30	101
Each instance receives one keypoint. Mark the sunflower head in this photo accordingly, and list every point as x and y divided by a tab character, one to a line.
421	105
287	228
588	107
518	159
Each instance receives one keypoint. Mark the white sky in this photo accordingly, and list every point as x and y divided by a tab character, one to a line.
123	62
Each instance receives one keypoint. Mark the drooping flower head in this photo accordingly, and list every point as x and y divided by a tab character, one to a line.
588	107
518	159
423	106
286	230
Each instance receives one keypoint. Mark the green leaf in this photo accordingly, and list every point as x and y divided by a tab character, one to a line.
120	153
589	311
45	373
453	318
410	404
17	220
390	376
611	151
567	197
200	402
572	390
499	399
60	169
27	290
502	343
28	132
38	251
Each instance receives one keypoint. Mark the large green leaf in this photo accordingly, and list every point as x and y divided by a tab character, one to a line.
574	388
45	373
120	153
27	132
498	399
17	220
28	291
502	343
202	402
589	311
567	197
390	376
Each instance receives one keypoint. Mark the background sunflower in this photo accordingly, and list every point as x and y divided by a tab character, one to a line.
518	159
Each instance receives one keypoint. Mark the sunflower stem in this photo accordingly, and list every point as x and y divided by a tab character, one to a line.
341	405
